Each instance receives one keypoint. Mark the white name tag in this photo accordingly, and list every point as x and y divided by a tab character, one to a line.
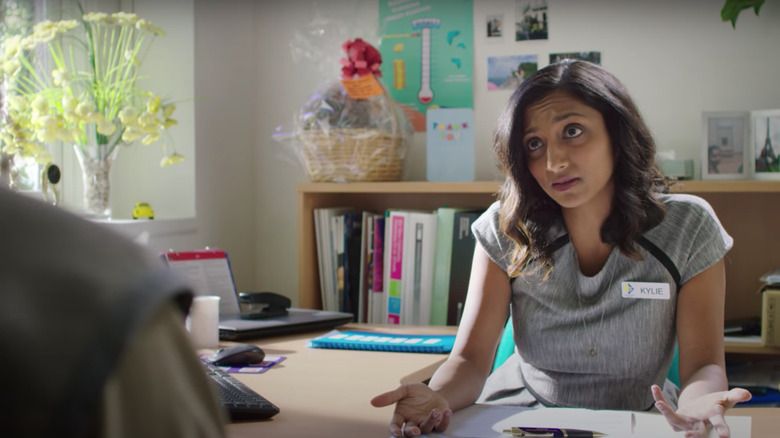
649	291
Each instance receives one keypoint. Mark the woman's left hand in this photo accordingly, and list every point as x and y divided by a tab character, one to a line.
705	410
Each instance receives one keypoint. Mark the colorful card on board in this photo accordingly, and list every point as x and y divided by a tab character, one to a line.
450	144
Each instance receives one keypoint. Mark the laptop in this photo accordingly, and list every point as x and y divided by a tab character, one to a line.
209	273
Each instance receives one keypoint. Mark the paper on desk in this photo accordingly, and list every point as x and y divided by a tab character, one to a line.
650	425
488	421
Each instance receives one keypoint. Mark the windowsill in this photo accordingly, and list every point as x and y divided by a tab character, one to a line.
154	227
157	234
134	227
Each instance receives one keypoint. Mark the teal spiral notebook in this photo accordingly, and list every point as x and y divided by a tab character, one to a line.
357	340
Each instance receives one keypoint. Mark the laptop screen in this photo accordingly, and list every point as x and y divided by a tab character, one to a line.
208	272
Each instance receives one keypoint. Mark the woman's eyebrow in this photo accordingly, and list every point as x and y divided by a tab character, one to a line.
555	119
566	116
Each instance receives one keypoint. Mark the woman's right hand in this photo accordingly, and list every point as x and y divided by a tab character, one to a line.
418	409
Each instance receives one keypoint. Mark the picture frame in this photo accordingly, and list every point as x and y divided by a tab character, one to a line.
765	144
725	145
507	72
494	28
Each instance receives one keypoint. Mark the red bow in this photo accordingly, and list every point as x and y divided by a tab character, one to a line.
362	59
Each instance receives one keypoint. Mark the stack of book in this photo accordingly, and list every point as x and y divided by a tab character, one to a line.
397	266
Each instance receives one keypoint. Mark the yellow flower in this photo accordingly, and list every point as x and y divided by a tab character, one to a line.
12	47
69	103
124	18
82	85
12	68
71	116
63	133
131	134
172	159
150	138
84	109
153	104
17	103
128	115
47	122
66	25
145	25
40	104
168	110
17	130
105	127
28	43
38	151
46	135
96	17
60	76
94	117
148	122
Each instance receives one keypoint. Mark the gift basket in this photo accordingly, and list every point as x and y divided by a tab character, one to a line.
351	129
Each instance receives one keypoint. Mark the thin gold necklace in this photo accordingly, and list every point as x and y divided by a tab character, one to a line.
592	349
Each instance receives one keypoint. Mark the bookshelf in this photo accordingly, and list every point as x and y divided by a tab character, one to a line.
748	209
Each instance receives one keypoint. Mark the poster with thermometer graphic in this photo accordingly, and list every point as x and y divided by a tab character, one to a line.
427	54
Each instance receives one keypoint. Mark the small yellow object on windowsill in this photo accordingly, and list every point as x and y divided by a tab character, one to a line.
143	209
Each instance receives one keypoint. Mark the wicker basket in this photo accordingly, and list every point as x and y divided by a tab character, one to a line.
351	155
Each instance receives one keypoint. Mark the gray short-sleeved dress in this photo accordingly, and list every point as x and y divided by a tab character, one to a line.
633	334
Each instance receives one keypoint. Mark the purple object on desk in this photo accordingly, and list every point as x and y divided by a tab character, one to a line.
258	368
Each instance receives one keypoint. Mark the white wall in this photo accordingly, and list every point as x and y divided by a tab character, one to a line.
222	78
226	119
169	68
676	57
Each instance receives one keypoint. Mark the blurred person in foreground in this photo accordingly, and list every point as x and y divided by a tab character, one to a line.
92	334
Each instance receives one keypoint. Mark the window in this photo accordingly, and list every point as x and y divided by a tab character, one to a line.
16	19
168	70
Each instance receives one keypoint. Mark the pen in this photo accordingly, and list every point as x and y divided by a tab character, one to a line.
552	432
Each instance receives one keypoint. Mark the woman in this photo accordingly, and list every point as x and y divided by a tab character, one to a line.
603	272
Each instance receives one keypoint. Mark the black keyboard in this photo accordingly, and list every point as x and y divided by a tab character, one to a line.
241	402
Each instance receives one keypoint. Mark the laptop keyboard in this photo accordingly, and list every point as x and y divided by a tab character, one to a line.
241	402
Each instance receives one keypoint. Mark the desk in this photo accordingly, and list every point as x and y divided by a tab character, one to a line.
326	393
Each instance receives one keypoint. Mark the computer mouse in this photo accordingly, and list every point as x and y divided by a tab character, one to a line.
238	355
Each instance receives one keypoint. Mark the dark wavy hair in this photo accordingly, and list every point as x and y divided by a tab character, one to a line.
527	212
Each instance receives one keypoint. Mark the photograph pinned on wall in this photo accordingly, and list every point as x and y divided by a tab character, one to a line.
531	20
494	28
725	149
765	142
594	57
507	72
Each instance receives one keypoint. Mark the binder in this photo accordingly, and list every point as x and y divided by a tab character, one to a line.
373	341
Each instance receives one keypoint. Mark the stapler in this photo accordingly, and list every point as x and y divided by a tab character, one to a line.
261	305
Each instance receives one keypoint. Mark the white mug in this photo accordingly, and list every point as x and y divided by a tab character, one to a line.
203	321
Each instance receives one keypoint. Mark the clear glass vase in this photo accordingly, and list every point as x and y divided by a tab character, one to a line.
95	162
8	173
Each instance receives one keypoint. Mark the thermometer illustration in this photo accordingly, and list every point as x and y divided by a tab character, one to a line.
424	25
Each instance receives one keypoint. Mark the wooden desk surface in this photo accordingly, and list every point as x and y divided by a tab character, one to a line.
326	393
